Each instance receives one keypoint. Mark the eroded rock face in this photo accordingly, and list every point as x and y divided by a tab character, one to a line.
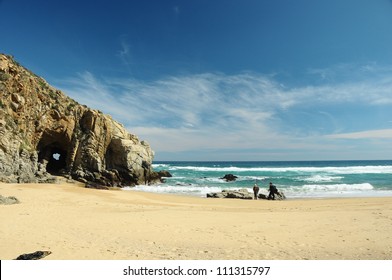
44	133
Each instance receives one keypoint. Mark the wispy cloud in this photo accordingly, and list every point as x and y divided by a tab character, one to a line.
218	111
369	134
124	52
350	72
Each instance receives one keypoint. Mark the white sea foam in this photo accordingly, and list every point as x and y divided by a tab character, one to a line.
338	187
310	190
176	178
211	180
194	190
251	178
330	169
332	190
320	178
160	165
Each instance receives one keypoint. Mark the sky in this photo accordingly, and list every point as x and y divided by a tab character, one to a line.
220	79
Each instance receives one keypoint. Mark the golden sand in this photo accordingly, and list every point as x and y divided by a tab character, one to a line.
77	223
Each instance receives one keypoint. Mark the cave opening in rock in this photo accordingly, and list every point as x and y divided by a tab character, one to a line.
55	158
53	153
57	161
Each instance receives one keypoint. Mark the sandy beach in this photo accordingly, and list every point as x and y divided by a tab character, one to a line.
77	223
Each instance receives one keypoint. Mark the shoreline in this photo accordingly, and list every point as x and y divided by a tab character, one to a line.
297	179
78	223
342	196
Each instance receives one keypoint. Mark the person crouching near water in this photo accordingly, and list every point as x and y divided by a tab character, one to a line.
272	191
256	190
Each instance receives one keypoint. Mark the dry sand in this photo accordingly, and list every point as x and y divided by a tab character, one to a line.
78	223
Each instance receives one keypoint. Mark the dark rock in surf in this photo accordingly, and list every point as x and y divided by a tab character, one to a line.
164	173
229	177
160	176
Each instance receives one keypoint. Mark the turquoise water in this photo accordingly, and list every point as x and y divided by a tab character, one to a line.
301	179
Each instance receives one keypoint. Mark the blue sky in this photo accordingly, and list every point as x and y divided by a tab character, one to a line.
223	79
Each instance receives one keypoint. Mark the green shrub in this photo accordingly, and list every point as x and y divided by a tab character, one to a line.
4	76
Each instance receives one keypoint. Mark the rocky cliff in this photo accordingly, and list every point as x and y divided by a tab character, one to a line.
43	132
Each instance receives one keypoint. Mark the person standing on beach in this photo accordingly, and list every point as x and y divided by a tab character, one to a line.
272	191
256	190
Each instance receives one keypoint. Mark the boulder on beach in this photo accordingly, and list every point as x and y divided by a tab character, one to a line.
8	200
237	194
278	196
243	194
34	256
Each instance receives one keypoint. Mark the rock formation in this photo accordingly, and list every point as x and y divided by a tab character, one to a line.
34	256
229	177
43	132
8	200
238	194
243	194
278	196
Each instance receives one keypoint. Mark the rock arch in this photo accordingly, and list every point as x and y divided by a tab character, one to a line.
57	159
53	153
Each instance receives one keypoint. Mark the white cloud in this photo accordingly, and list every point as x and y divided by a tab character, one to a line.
369	134
218	111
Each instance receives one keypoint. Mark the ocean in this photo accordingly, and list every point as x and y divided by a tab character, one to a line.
297	179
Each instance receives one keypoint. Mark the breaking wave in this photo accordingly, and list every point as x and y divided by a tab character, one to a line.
328	169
